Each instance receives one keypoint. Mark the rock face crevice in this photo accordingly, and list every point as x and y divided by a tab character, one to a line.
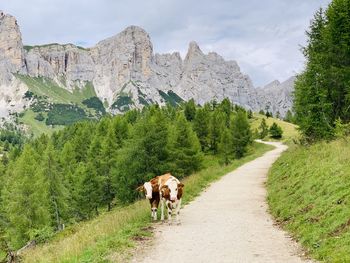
124	66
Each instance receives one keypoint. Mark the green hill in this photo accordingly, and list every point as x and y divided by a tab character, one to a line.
53	106
309	194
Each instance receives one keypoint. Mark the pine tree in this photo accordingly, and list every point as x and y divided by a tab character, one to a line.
68	164
312	103
250	114
57	191
108	165
263	129
144	155
185	153
226	146
289	117
275	131
201	126
25	200
190	110
242	135
322	93
226	107
217	124
121	130
88	197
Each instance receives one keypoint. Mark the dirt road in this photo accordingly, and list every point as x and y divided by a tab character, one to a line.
229	222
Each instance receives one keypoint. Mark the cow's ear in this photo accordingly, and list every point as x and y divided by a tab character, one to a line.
140	188
180	185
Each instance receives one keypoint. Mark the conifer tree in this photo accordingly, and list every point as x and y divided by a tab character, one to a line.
88	197
242	135
226	146
190	110
275	131
185	154
108	165
201	126
263	129
217	124
144	155
57	192
25	200
226	107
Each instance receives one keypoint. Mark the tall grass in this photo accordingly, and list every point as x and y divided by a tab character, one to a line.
309	194
114	232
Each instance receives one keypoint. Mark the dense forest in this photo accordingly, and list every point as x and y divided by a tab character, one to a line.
91	166
322	90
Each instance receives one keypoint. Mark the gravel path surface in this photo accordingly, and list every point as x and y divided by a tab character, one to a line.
228	222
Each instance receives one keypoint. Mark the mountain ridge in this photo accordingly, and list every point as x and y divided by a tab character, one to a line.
126	73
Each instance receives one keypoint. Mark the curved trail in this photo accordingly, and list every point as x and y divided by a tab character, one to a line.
228	222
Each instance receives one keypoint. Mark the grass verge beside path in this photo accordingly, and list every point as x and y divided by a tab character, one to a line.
309	195
115	232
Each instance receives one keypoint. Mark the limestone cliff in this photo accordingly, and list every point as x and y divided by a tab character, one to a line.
126	73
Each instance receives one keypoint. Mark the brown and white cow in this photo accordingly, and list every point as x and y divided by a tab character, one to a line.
151	190
170	191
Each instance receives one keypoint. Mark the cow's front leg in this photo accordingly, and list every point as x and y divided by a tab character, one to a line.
162	209
154	213
170	211
178	206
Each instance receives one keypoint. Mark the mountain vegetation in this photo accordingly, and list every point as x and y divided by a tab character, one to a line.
322	90
309	195
308	187
89	167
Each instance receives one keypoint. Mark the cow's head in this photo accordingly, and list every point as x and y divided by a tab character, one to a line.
148	188
171	190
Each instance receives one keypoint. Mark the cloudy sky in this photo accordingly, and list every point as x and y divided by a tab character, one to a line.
263	36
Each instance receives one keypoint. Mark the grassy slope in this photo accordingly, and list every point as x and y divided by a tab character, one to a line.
309	194
47	88
290	131
37	127
112	233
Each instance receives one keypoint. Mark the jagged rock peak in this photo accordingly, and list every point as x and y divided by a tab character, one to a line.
193	50
11	46
133	29
272	84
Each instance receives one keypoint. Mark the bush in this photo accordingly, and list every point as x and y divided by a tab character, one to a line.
65	114
40	117
275	131
96	104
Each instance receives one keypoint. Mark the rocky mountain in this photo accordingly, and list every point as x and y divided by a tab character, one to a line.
277	97
120	73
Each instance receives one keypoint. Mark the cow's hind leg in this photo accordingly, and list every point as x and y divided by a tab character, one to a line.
178	206
162	209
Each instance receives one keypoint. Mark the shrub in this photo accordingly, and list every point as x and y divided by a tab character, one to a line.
96	104
65	114
40	117
275	131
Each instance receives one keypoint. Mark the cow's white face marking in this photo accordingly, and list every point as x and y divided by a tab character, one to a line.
148	190
173	190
